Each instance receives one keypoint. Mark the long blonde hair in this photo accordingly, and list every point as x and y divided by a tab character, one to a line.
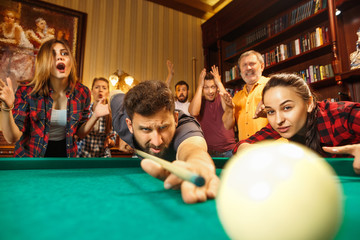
43	64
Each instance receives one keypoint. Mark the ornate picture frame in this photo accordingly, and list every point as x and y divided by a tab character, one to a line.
26	24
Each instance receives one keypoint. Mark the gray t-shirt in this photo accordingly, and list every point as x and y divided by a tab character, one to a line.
187	126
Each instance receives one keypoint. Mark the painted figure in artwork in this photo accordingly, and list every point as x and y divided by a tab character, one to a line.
16	55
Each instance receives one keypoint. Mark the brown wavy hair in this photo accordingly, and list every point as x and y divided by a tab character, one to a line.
302	89
43	63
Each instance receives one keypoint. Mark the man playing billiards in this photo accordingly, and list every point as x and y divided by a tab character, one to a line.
145	118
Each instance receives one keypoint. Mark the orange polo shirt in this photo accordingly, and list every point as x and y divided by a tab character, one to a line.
245	106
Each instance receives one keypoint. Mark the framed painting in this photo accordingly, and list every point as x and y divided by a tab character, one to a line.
26	24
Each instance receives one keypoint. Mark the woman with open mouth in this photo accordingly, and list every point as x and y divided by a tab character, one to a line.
47	112
102	137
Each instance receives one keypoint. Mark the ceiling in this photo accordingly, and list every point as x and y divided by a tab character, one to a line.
203	9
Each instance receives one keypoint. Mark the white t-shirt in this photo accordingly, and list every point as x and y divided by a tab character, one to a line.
57	125
183	106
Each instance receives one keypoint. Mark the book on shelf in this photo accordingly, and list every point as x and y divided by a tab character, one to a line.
297	46
322	72
315	73
227	76
286	20
310	79
305	42
317	5
318	37
232	74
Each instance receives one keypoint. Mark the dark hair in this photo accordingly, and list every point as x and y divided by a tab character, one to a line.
182	83
312	138
149	97
209	76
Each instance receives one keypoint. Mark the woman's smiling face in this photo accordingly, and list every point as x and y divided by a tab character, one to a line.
286	110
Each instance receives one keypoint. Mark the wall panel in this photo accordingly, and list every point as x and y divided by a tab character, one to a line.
138	36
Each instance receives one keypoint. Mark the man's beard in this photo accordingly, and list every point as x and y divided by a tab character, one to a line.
162	149
253	72
183	99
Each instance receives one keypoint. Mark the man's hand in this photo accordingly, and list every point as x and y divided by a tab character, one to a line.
124	147
170	67
215	72
190	193
353	150
171	72
259	112
226	97
202	79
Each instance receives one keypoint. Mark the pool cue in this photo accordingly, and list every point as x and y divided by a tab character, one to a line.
179	171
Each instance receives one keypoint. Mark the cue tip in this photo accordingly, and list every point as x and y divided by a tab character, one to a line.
198	181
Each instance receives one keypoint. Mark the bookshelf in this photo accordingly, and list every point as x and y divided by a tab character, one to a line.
302	36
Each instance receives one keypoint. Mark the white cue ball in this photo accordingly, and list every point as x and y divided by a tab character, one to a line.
279	191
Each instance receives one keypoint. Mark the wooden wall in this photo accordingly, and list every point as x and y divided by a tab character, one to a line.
137	36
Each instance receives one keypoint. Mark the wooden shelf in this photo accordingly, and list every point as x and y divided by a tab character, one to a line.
323	83
300	26
304	56
346	4
350	76
234	83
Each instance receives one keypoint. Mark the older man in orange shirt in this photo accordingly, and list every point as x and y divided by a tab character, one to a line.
243	106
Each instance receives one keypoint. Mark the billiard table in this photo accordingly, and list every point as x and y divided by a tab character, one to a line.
114	199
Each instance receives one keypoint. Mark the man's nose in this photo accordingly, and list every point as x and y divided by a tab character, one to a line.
156	138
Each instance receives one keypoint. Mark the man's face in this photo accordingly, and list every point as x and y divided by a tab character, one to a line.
210	90
154	133
251	69
181	92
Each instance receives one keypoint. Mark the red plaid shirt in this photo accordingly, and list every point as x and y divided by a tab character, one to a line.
338	124
32	114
